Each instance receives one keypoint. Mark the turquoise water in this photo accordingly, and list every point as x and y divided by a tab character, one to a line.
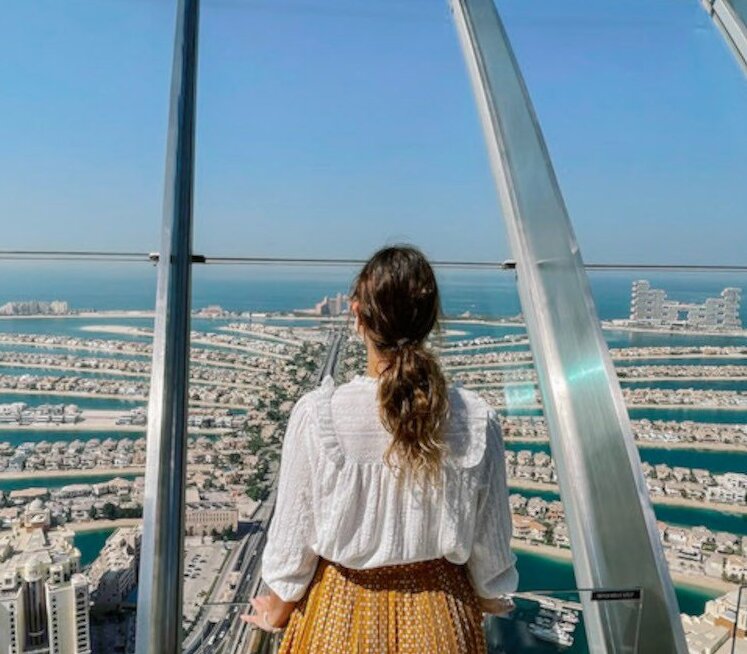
49	481
696	415
91	402
72	327
684	361
706	384
546	573
90	543
275	288
55	372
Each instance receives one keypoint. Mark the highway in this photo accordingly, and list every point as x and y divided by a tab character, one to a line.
225	632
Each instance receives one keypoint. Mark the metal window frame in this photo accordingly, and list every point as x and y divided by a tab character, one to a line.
731	21
613	531
589	463
159	612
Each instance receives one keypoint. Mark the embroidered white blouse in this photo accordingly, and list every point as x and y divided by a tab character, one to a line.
337	498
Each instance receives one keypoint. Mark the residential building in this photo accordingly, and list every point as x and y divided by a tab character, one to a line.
204	517
44	601
651	306
113	575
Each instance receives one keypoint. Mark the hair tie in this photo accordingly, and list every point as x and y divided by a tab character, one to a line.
402	341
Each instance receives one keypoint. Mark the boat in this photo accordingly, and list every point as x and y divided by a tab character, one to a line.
549	613
553	635
569	615
545	622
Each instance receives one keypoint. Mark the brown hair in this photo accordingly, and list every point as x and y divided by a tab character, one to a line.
399	307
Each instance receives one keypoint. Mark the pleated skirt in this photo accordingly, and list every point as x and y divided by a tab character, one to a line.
417	608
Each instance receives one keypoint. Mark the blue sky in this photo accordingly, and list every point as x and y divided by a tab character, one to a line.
327	127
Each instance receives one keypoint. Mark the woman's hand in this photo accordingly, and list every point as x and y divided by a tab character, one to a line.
270	612
497	605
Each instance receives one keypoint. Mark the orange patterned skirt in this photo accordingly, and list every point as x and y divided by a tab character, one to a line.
415	608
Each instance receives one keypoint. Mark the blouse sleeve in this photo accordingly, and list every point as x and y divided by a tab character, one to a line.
492	564
288	562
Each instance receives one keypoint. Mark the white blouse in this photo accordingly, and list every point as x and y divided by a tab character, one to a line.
338	499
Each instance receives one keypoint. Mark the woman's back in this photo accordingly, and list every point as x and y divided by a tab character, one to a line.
352	508
392	511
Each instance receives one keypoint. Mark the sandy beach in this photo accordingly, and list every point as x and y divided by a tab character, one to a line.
550	551
118	329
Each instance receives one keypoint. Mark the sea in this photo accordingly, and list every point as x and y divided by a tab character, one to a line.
274	288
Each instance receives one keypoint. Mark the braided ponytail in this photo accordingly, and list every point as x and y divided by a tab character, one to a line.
399	307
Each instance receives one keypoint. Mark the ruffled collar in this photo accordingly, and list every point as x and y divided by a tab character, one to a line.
366	380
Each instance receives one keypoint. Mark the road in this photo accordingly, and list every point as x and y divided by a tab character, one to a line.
228	634
330	362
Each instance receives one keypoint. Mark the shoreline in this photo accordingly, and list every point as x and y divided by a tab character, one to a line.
647	444
134	399
642	405
108	471
125	330
608	325
102	525
99	420
114	372
697	582
134	313
720	507
71	472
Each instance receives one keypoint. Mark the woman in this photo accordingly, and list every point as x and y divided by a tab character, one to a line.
392	527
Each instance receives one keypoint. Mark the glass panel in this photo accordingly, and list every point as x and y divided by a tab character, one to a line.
74	373
251	360
246	320
541	622
686	450
328	130
330	182
552	621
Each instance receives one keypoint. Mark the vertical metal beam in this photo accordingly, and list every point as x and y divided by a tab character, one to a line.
730	17
159	614
611	523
